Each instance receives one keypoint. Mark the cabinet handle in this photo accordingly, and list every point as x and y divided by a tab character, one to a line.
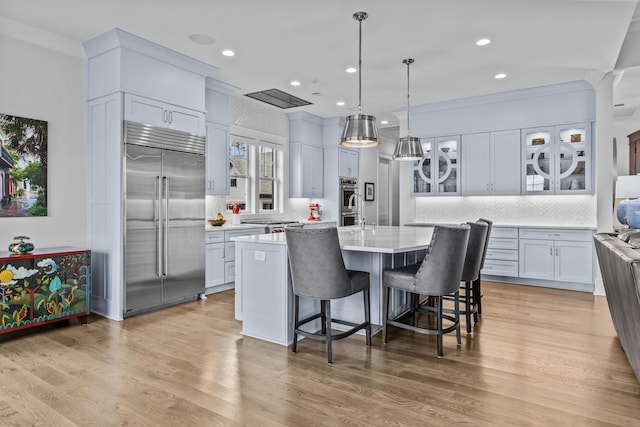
170	117
487	187
165	116
551	251
556	251
213	184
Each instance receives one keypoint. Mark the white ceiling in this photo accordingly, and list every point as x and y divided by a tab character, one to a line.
536	42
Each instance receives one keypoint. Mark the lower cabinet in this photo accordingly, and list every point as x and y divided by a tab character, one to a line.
550	257
502	253
559	255
220	258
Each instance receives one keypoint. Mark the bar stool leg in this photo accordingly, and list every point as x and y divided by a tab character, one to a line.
328	334
296	309
367	316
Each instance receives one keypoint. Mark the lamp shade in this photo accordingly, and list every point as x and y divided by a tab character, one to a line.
360	131
408	148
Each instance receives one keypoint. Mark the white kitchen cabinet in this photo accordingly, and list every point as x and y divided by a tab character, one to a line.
156	113
347	163
560	255
557	159
217	159
214	258
220	257
437	174
306	171
491	163
502	253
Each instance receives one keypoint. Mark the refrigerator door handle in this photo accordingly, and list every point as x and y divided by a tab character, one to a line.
158	221
165	247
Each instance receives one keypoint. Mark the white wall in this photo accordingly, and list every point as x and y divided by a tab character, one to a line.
45	84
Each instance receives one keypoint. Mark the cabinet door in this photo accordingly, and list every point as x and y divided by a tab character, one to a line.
312	171
476	164
217	159
536	259
446	166
505	162
573	164
144	110
574	261
422	171
185	119
214	273
538	153
347	163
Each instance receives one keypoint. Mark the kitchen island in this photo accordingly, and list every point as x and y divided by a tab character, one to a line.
264	296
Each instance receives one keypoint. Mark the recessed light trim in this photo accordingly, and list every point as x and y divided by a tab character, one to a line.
203	39
228	52
351	70
384	122
500	76
294	83
483	42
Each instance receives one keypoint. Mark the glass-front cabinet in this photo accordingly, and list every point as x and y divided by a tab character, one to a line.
438	171
557	159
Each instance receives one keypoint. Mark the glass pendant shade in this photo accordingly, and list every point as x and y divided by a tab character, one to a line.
408	148
360	130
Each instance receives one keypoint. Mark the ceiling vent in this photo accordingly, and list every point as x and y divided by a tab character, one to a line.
278	98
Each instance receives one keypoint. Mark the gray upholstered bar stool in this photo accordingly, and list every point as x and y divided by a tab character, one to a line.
477	290
318	272
471	271
437	275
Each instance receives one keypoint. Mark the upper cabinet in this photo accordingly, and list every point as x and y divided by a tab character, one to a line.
155	113
217	159
306	171
347	163
438	172
218	105
491	163
557	160
306	159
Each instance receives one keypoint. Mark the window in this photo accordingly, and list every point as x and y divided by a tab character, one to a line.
239	174
255	175
267	178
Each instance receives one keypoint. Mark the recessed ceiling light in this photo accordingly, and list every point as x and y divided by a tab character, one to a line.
228	52
384	122
500	76
340	103
295	83
202	38
351	70
483	42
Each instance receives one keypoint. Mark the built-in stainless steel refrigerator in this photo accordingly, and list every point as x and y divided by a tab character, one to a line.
165	217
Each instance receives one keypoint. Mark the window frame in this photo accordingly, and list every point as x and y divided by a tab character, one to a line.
254	140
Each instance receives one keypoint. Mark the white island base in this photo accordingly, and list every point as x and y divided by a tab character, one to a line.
264	296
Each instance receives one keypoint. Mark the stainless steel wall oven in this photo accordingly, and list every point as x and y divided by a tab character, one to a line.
348	187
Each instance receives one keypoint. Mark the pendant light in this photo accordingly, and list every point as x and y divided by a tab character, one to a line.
360	129
409	147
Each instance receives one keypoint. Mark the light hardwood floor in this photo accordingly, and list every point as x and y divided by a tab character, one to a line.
538	357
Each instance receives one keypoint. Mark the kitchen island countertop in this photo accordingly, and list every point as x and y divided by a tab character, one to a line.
381	239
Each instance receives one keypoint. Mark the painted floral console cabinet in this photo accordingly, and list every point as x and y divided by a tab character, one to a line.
44	286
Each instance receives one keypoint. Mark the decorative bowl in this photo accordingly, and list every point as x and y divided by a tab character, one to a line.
217	222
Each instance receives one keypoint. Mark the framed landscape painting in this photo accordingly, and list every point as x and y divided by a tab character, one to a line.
23	166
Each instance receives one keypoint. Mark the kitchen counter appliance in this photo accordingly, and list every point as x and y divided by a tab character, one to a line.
164	213
274	225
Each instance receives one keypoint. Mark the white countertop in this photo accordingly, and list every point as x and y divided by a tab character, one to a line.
229	226
381	239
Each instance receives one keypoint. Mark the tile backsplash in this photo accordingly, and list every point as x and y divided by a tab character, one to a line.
574	210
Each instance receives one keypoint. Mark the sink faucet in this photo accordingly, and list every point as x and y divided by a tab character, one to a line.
351	199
